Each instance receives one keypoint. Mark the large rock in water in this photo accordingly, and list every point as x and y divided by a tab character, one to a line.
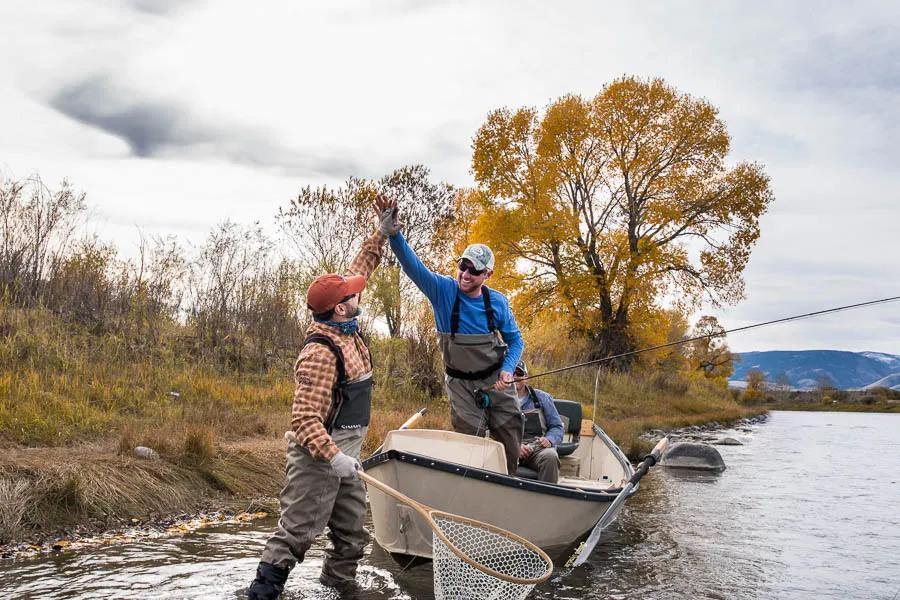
729	441
688	455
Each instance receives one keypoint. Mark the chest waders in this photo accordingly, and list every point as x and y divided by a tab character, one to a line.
472	362
348	416
314	498
535	428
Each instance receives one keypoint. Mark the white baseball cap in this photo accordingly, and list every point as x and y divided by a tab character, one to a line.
480	256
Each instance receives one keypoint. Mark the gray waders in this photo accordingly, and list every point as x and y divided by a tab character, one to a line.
472	363
315	497
543	460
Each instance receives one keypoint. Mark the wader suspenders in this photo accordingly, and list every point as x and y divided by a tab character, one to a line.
337	397
454	315
539	407
454	326
536	402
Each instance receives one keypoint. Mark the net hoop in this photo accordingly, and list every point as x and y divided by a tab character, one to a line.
499	531
428	514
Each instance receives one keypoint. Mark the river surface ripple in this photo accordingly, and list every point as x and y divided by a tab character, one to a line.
809	507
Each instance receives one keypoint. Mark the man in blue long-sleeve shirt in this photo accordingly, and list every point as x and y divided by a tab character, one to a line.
480	343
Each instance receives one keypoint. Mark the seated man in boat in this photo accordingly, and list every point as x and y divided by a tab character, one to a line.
480	343
543	429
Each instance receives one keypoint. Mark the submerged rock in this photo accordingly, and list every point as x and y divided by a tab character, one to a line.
688	455
145	452
729	441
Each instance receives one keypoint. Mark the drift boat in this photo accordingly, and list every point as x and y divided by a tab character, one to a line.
467	476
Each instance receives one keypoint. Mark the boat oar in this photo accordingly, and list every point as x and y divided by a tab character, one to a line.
414	420
610	514
410	422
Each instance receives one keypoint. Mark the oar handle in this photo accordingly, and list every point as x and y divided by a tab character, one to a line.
658	449
410	422
415	419
649	460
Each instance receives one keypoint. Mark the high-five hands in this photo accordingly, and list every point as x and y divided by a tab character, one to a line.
388	218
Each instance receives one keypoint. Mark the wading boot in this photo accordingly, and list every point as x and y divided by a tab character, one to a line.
346	588
269	582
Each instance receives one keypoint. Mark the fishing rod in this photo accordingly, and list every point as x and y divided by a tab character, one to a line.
712	335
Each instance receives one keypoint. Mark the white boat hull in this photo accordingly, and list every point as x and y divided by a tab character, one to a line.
554	517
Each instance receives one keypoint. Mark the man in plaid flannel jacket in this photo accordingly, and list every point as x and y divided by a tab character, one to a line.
329	419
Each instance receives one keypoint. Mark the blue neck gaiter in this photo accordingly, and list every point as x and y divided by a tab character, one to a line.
345	327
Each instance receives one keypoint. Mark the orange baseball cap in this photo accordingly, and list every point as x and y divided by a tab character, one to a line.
326	291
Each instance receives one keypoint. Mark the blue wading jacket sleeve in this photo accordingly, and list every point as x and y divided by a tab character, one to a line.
554	421
441	291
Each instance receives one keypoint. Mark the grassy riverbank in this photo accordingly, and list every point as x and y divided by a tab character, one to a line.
840	407
73	405
871	400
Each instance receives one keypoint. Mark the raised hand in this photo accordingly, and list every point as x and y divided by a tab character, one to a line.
388	218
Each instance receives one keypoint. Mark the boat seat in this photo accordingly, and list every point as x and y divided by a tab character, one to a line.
571	413
526	473
571	417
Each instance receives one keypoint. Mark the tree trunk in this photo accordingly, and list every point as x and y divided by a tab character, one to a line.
613	339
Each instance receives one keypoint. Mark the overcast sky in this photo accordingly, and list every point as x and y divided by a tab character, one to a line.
174	115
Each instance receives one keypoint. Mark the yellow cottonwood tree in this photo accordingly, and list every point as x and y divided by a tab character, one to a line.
615	201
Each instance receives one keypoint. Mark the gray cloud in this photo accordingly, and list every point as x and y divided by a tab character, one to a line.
752	137
157	7
154	128
147	127
865	59
856	74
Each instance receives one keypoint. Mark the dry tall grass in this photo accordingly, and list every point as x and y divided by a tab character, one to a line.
55	490
14	500
60	385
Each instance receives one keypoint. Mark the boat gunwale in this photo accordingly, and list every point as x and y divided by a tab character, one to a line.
475	473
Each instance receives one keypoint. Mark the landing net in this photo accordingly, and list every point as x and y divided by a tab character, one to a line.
488	564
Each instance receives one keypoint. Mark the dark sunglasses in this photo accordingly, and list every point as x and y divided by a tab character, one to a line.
519	373
347	298
467	266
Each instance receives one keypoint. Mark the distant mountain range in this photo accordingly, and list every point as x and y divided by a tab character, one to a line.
805	369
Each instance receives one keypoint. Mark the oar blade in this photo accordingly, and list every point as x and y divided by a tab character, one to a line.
602	523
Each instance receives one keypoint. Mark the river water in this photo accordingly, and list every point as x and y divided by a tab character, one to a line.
809	507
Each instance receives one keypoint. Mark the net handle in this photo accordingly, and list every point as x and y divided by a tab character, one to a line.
420	508
426	512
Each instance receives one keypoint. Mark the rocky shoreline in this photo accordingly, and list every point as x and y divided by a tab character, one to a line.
84	537
714	432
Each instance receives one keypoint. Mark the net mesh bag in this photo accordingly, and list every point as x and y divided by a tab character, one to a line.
509	567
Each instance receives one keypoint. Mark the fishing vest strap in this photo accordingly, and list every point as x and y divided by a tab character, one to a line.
337	398
318	338
537	403
532	429
454	315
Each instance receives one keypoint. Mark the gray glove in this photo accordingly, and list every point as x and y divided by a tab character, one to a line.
345	466
388	223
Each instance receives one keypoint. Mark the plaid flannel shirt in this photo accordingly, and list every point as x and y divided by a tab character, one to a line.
315	372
